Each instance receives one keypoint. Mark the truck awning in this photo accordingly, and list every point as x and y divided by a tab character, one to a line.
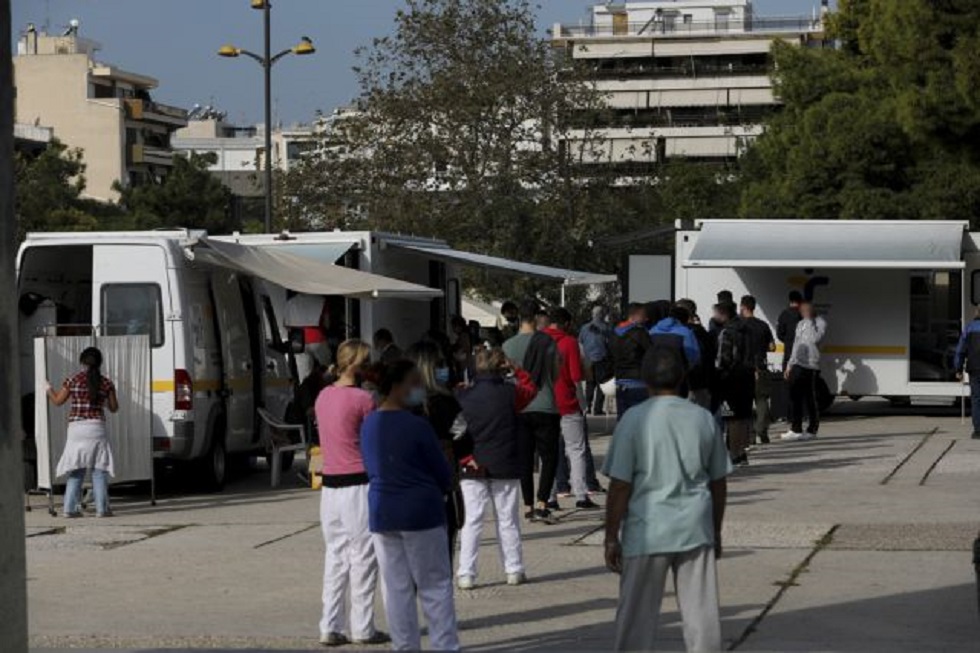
306	275
929	245
508	266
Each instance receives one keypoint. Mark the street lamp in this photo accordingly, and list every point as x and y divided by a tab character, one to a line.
267	61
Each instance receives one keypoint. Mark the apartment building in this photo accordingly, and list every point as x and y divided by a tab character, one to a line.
106	111
682	79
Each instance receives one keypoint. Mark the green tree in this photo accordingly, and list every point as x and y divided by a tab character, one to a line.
49	187
188	196
886	126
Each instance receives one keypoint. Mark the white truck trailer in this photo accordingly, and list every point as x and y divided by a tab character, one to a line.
895	294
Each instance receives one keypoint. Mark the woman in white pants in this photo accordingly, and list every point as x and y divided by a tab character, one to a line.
350	564
409	482
492	475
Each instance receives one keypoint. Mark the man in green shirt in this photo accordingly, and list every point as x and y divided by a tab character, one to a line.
668	464
537	354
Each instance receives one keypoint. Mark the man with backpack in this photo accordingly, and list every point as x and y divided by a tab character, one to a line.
761	343
594	338
628	346
735	383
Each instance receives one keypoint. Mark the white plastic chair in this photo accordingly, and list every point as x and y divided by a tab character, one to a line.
276	446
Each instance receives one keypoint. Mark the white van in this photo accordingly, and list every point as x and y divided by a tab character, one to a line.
217	349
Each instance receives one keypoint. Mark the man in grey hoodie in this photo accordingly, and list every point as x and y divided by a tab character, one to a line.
802	373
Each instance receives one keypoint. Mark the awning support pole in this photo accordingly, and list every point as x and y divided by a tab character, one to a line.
564	284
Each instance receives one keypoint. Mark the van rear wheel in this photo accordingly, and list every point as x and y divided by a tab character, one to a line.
216	465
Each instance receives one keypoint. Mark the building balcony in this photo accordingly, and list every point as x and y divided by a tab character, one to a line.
147	111
657	29
150	155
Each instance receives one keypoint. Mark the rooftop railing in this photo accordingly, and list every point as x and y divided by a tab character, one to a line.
674	27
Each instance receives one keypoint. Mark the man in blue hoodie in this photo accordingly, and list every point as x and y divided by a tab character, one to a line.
673	332
968	358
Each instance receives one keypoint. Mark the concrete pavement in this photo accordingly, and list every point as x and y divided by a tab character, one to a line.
859	541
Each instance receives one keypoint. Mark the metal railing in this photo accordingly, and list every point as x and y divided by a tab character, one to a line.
667	27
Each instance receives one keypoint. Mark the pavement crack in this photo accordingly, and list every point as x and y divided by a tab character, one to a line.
148	534
286	536
909	456
790	581
936	462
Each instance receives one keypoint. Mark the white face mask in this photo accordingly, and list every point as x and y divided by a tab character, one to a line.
416	397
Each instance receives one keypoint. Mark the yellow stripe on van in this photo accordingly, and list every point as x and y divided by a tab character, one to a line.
860	350
167	385
278	383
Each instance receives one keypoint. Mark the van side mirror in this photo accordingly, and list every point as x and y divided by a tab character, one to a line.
297	341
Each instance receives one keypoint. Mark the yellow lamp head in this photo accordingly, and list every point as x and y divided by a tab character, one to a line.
258	4
228	50
305	46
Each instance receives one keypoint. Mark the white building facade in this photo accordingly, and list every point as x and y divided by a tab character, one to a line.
682	79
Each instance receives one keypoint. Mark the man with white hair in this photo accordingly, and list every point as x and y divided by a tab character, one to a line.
594	339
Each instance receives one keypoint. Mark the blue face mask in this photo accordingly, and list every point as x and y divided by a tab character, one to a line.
416	397
442	375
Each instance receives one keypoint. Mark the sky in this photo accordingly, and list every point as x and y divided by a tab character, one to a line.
176	41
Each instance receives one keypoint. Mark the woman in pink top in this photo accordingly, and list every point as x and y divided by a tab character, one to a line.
350	561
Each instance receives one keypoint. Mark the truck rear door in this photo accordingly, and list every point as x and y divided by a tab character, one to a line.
237	360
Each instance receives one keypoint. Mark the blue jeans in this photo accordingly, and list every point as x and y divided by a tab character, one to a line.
627	397
100	489
975	401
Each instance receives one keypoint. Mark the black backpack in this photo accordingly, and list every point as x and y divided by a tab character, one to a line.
736	352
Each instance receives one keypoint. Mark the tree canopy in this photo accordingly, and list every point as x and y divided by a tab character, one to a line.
885	126
188	196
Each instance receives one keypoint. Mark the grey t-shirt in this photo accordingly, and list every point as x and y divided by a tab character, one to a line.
516	349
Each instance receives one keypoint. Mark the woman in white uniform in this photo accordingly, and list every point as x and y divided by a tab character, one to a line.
87	447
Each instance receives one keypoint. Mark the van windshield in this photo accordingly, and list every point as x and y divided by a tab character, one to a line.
133	309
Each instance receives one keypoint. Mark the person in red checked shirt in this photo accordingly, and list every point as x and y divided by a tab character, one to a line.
569	402
491	410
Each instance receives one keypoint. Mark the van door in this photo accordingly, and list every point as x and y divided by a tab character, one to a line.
278	375
237	371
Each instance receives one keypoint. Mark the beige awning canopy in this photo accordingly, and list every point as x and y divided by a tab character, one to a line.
305	275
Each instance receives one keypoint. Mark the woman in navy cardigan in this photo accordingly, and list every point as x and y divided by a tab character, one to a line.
409	479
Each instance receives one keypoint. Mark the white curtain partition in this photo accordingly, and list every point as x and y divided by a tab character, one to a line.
126	360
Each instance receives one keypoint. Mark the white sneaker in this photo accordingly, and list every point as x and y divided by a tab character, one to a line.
516	579
466	582
808	436
791	436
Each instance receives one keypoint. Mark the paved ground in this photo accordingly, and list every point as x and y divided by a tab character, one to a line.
859	541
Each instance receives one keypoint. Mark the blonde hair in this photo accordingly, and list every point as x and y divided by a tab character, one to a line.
493	361
351	353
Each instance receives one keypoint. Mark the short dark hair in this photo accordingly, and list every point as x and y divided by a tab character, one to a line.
394	374
726	297
561	316
528	311
726	308
634	308
508	307
748	301
663	368
689	304
680	313
383	335
795	297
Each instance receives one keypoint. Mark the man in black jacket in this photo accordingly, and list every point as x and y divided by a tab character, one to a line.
628	346
786	325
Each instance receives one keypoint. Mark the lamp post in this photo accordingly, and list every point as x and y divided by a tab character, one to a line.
267	60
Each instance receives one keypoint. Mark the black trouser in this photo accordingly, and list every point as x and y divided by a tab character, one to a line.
803	395
540	434
595	400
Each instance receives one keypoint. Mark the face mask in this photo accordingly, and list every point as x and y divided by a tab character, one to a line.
442	375
416	397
